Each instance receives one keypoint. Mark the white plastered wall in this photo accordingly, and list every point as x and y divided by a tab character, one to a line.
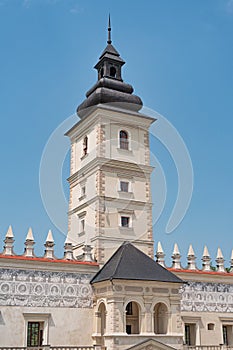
13	326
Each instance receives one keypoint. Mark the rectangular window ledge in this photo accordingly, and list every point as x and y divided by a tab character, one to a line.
122	150
126	230
80	234
125	194
84	156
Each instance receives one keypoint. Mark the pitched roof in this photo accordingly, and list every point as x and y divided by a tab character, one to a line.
130	263
150	342
110	49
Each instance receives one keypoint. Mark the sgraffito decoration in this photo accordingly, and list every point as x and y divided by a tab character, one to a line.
209	297
45	289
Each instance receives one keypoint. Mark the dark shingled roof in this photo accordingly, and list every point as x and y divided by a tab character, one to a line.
110	49
110	87
130	263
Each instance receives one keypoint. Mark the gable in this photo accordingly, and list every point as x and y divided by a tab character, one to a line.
151	344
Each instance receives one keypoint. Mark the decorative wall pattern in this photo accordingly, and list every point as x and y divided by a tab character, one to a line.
207	297
45	289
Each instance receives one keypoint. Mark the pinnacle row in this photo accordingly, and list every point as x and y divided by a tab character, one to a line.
191	259
49	247
29	236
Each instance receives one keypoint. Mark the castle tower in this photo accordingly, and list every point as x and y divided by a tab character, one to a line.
110	199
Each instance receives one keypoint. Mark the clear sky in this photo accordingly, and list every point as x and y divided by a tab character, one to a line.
179	58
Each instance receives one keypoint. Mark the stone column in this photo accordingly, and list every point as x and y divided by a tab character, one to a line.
148	317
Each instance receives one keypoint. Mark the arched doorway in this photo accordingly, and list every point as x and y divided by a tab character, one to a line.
160	318
132	318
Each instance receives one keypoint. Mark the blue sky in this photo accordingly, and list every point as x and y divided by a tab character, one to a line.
179	58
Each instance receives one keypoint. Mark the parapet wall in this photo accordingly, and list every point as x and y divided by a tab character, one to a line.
87	256
207	266
8	249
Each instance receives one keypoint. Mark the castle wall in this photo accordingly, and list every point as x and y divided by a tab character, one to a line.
63	326
207	306
56	296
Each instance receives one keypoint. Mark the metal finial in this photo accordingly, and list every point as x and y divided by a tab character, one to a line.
109	30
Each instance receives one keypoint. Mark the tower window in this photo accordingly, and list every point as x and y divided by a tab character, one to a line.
82	222
124	221
85	145
83	191
113	72
124	140
124	186
101	73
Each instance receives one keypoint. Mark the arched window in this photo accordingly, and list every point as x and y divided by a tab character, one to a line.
101	73
113	72
132	318
160	318
124	140
85	145
101	326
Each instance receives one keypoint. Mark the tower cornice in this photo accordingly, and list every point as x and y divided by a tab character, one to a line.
108	164
133	204
112	112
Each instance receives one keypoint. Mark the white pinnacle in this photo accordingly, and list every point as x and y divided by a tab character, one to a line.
176	249
68	240
232	254
159	248
191	251
50	237
206	252
219	254
30	235
9	233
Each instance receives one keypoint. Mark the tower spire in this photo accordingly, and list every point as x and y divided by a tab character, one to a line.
110	87
109	30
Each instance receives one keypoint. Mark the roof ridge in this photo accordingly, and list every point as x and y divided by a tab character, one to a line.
111	257
120	258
